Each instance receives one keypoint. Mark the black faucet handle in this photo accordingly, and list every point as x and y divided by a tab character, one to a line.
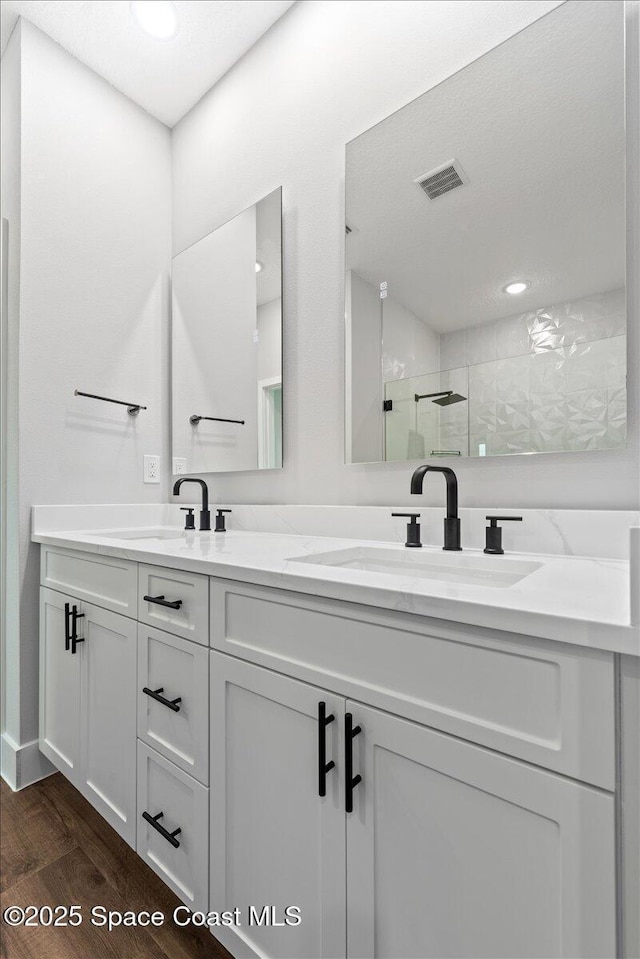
189	520
493	533
220	520
413	529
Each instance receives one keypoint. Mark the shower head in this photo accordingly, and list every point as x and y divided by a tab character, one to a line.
443	398
449	399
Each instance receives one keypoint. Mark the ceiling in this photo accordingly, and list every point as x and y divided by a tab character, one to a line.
537	126
165	78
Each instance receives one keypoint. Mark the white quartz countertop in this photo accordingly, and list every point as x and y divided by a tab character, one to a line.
582	601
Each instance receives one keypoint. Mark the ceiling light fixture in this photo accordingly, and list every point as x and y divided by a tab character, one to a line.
515	288
259	266
158	18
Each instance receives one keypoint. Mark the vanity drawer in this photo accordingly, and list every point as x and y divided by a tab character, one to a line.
104	580
191	618
545	702
174	667
180	860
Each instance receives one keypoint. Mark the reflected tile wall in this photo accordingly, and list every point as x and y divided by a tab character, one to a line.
551	379
596	317
568	398
556	379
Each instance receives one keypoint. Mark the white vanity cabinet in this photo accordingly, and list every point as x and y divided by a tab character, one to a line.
124	706
87	702
438	848
483	820
357	782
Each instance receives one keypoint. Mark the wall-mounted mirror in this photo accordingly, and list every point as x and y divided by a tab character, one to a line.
485	254
227	345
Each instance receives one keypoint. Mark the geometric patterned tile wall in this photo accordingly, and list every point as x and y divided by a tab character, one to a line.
550	379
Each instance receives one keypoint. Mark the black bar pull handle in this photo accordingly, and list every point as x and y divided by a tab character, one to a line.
169	836
323	766
169	703
351	781
67	626
75	616
161	601
74	643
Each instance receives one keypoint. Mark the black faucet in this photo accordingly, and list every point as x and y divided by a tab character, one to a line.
451	523
205	515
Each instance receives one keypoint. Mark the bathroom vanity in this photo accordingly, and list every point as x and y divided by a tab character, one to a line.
353	748
269	729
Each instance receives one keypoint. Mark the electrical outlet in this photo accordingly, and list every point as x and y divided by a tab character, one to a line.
151	469
179	466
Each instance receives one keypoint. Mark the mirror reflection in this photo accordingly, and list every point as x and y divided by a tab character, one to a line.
485	299
227	345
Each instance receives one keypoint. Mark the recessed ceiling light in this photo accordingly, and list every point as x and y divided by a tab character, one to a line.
158	18
515	288
259	266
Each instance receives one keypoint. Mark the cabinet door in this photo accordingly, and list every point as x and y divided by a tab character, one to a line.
453	850
108	656
59	687
275	842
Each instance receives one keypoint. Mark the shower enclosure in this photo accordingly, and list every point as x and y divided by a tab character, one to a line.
420	419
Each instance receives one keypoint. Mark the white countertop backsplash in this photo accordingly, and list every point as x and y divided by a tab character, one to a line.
580	594
602	534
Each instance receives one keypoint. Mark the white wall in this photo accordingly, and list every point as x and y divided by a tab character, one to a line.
94	260
323	74
10	203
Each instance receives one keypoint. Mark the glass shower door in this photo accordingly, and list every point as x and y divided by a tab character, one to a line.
421	427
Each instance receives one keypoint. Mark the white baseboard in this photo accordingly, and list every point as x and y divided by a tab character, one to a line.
22	765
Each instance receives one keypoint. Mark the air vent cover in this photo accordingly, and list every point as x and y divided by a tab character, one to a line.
441	180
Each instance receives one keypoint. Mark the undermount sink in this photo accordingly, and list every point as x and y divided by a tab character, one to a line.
156	533
469	570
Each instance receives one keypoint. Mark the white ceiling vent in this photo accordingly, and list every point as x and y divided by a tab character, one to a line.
442	180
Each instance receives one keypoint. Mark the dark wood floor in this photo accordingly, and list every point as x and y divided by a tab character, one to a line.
57	850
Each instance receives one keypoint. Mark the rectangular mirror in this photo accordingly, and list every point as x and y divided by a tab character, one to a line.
227	345
485	299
